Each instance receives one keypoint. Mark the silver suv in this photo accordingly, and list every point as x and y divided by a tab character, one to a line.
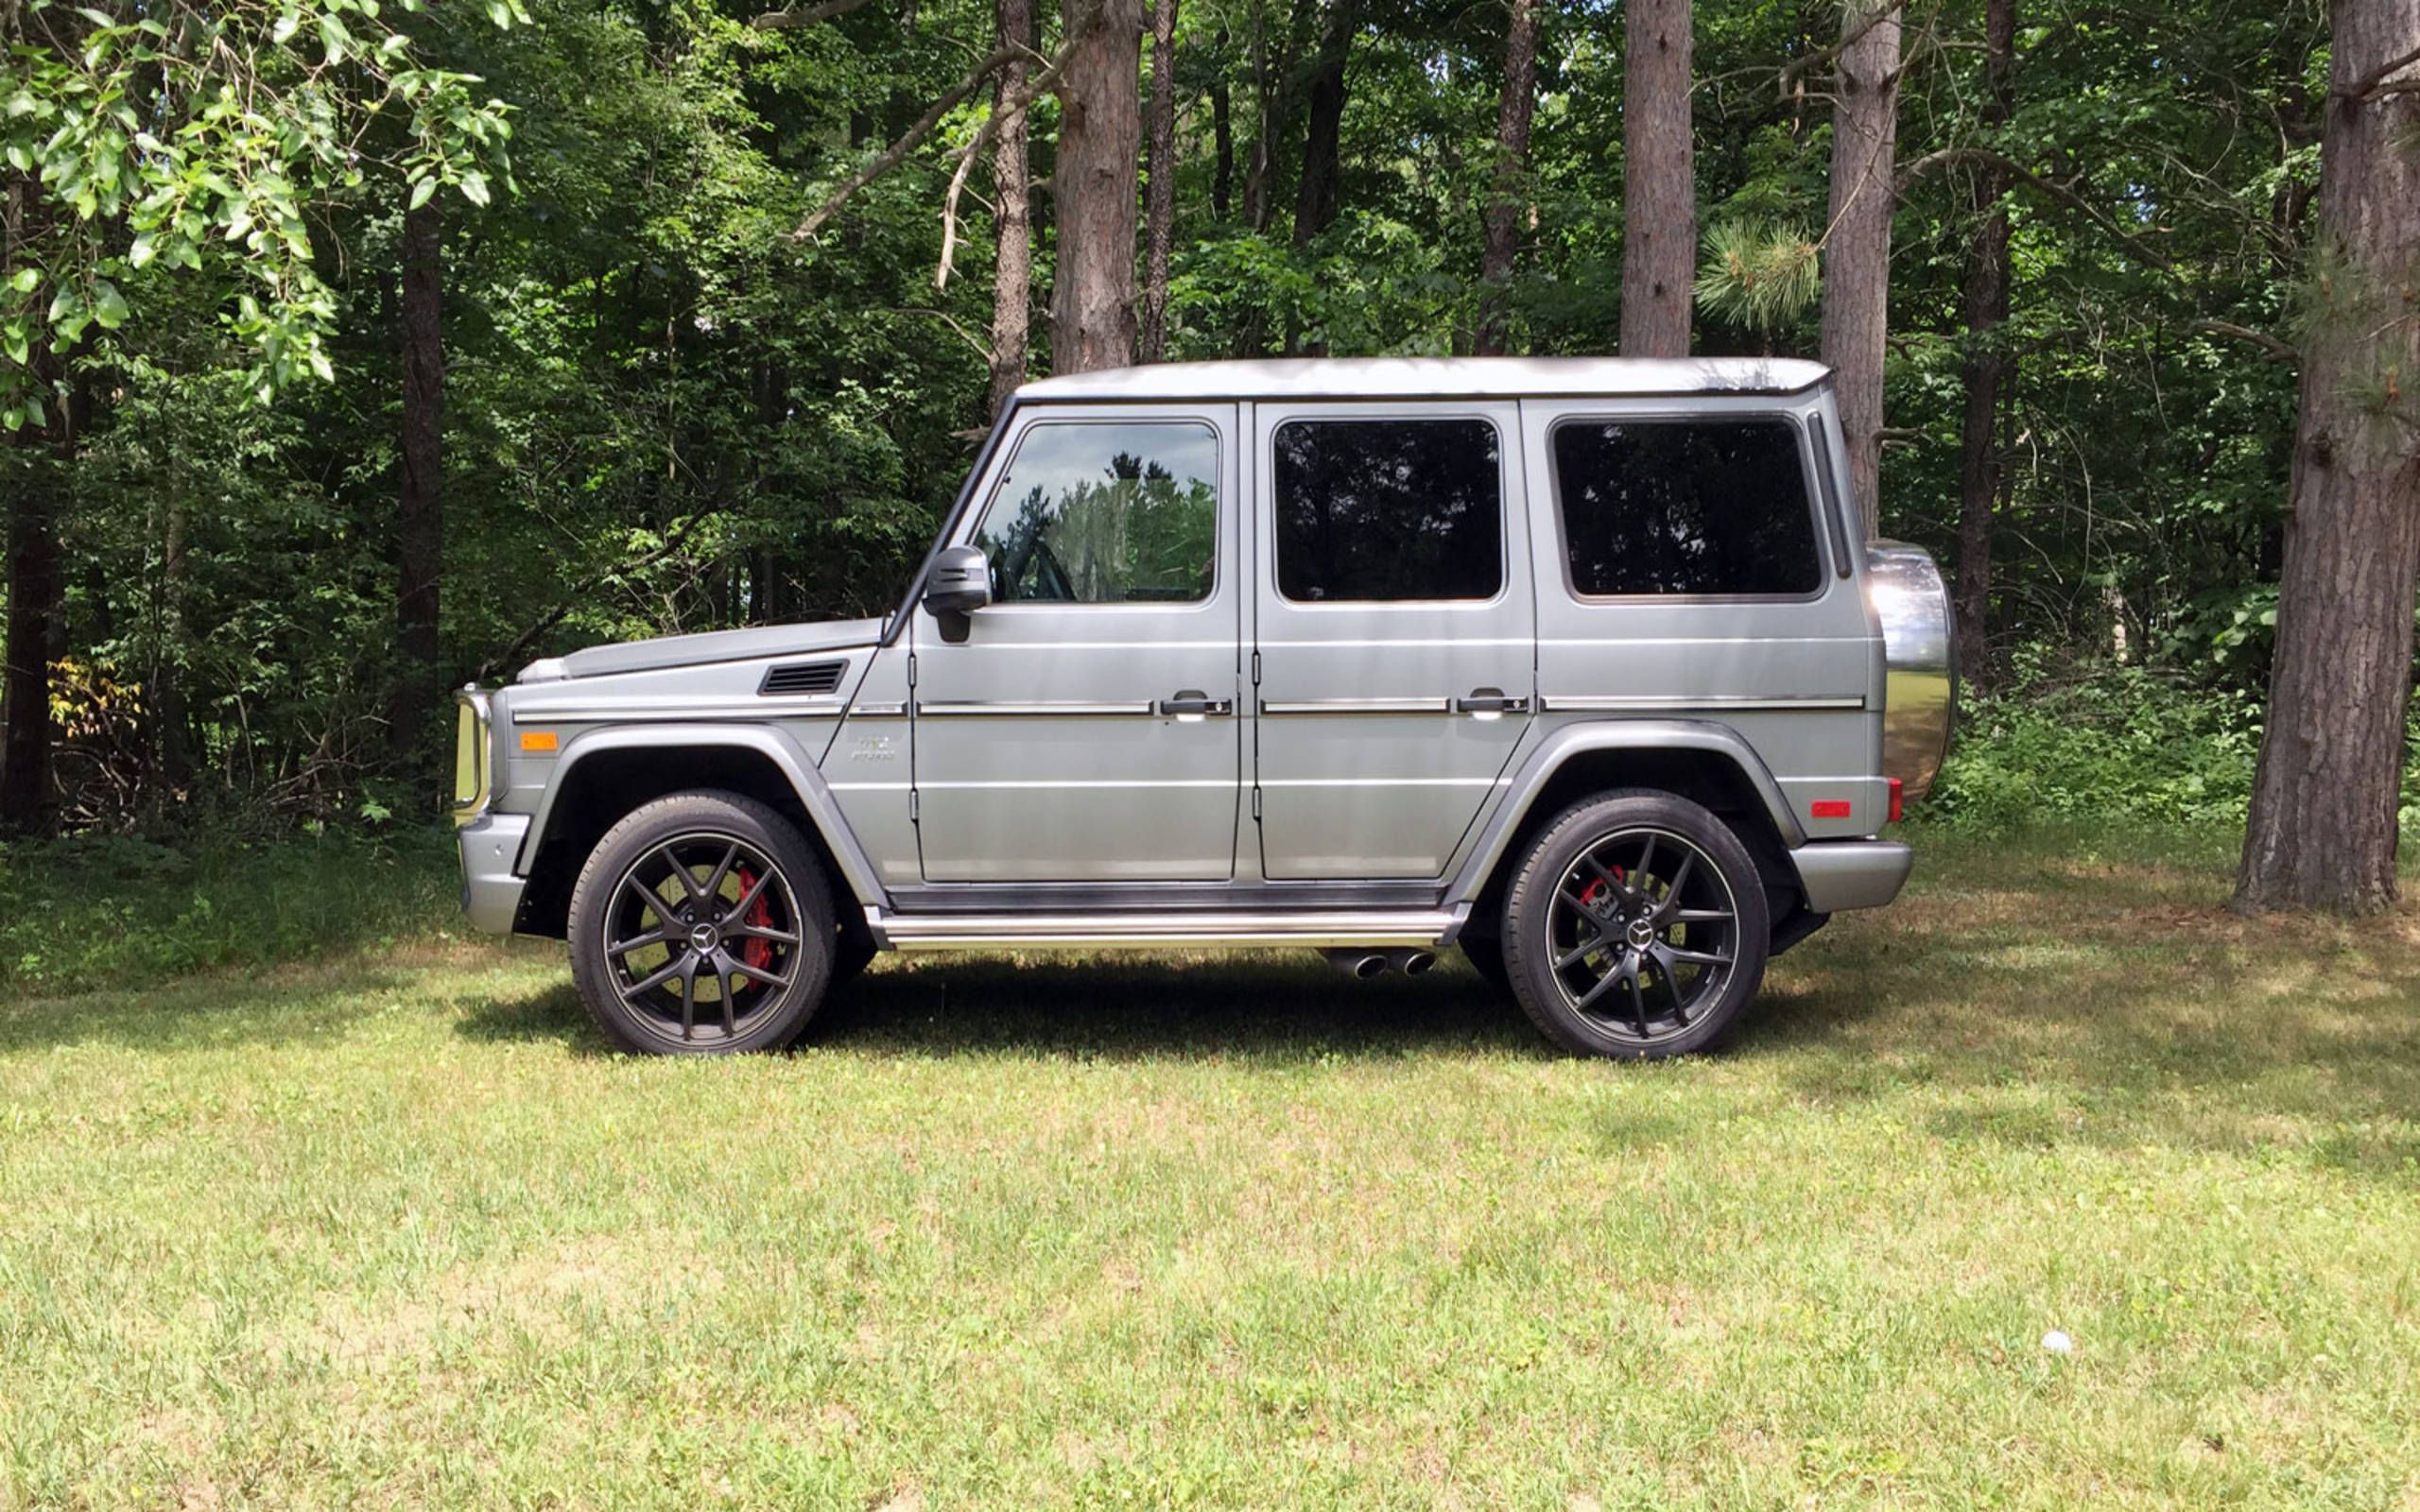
1577	666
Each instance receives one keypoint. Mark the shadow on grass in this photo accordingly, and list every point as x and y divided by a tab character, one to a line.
1226	1008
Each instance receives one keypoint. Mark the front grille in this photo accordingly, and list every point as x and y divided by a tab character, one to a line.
803	680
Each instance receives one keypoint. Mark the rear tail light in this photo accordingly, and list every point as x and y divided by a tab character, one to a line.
1898	801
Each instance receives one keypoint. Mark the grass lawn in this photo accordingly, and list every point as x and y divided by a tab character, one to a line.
390	1228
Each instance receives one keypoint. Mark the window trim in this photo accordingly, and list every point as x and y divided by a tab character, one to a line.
1791	420
1379	412
972	521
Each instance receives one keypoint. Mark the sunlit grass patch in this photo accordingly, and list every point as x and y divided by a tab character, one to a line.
1237	1231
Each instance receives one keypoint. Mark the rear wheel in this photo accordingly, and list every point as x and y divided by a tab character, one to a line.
702	924
1635	927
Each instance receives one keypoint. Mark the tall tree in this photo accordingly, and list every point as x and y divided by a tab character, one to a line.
1320	191
1985	366
1159	207
1857	241
1092	307
419	516
1659	187
2322	827
1013	251
1502	225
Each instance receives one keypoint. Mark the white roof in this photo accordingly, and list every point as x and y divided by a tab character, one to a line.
1435	378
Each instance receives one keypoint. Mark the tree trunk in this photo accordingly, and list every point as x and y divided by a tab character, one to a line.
1091	310
1502	225
420	519
1222	142
1317	195
1013	255
1857	249
1659	187
1986	363
25	730
2324	804
1159	210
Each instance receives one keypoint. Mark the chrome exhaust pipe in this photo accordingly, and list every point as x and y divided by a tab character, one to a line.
1411	963
1359	965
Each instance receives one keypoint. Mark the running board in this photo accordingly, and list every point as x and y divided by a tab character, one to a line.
1424	929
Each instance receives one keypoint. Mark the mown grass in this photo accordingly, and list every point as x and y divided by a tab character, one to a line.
395	1230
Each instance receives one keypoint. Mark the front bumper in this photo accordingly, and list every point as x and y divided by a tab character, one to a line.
491	893
1843	874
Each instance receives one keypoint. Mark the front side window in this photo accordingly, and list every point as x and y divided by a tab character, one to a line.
1685	506
1106	512
1384	510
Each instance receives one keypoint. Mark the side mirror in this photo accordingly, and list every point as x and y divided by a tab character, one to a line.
959	583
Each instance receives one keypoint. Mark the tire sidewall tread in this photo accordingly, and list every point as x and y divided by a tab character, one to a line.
650	825
1556	848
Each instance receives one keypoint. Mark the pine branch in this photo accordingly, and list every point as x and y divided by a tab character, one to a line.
897	152
2375	82
803	16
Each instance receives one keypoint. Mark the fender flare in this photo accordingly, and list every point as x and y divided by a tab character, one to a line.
772	744
1716	740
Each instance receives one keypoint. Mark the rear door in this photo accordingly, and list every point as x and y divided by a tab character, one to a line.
1393	623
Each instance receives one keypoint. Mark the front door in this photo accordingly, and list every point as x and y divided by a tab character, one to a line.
1083	730
1394	622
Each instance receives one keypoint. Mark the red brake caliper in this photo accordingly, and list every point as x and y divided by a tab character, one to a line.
1596	889
756	951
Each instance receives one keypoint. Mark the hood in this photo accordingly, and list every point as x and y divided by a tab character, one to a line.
699	650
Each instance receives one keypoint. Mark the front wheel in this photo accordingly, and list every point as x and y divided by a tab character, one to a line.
1635	927
702	924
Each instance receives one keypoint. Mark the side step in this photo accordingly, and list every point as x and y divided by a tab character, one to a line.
1424	929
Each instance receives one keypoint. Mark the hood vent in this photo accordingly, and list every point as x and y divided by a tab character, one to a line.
803	680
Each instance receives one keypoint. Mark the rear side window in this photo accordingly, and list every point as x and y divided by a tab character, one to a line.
1685	506
1385	510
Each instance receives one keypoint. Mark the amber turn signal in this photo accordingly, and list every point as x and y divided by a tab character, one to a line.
541	739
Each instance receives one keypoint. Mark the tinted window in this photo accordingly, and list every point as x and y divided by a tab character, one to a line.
1094	514
1385	509
1685	506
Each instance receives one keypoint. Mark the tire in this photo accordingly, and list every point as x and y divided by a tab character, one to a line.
1674	905
751	925
1486	955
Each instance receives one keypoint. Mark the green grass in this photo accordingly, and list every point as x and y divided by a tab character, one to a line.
391	1229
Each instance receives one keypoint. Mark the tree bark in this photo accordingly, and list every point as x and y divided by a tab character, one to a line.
1317	195
2323	827
1092	311
1659	187
1502	225
1159	210
420	520
26	733
1857	249
1012	189
1986	362
1222	142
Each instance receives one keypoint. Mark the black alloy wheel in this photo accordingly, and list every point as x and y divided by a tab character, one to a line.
1636	927
703	924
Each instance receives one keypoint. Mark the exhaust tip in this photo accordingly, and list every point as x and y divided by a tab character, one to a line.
1370	966
1416	963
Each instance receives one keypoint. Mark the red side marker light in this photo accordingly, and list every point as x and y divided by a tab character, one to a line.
1829	808
1898	802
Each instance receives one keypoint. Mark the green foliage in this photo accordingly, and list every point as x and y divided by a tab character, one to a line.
109	912
197	140
2106	743
1758	275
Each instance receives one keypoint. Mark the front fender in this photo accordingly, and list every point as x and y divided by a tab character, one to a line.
1719	742
669	740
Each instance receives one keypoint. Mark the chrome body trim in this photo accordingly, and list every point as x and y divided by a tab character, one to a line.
807	706
1047	709
1591	705
1207	929
1838	875
878	711
1358	706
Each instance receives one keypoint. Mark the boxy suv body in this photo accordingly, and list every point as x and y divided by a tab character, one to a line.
1579	665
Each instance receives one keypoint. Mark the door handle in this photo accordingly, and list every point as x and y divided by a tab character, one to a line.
1194	702
1491	701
